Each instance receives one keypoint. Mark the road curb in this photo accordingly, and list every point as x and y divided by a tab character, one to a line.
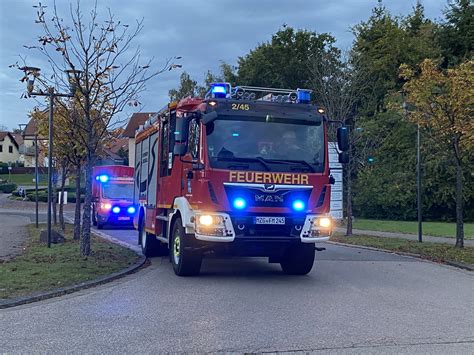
459	265
39	296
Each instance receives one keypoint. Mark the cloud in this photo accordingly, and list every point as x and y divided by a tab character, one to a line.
203	32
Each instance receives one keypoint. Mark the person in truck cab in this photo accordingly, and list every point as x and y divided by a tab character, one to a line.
291	145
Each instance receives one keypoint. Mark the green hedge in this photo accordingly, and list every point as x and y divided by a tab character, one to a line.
43	196
7	188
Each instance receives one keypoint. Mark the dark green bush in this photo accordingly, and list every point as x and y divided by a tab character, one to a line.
7	188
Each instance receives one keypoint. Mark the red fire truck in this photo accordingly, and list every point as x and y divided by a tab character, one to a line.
112	195
241	172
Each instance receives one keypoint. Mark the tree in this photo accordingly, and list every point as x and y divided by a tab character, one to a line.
187	87
384	42
112	75
336	82
283	62
444	103
456	35
70	153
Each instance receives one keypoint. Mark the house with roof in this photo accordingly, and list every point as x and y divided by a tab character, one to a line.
137	120
9	148
27	146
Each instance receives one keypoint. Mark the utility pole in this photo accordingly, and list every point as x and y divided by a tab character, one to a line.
32	73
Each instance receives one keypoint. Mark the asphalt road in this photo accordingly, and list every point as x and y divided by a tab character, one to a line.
354	301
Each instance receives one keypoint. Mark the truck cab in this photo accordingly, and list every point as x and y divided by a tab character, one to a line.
112	195
241	172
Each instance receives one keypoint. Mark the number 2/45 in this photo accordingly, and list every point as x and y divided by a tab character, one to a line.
244	107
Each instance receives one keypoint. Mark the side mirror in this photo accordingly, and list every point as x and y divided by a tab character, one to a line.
343	138
182	129
209	117
343	157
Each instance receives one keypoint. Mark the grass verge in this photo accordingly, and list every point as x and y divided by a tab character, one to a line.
41	269
25	179
432	251
435	229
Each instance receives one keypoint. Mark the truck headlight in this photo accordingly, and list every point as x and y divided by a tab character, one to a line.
209	224
324	222
205	220
105	206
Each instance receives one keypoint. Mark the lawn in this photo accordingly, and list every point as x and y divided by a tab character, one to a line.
25	179
436	229
432	251
40	268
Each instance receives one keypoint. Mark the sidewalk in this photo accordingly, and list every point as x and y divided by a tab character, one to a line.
426	238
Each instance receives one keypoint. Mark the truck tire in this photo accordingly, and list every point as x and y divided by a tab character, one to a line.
299	259
150	245
185	262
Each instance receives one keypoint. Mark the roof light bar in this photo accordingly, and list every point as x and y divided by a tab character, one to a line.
219	90
304	96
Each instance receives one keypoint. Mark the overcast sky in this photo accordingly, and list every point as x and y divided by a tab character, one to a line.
203	32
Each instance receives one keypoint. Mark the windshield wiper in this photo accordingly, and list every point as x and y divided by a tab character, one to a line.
247	160
291	161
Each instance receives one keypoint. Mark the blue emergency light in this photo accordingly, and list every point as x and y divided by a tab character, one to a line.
116	209
239	203
298	205
304	96
102	178
131	210
219	90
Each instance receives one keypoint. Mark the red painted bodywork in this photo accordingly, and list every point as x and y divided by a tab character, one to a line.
175	185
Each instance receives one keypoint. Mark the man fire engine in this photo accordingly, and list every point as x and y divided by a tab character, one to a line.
241	172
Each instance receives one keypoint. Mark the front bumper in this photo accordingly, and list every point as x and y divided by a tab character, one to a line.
242	228
115	219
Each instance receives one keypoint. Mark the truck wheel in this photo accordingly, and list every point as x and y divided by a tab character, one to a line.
185	262
299	260
150	245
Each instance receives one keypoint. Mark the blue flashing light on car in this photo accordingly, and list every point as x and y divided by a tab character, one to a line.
116	209
131	210
102	178
298	205
239	203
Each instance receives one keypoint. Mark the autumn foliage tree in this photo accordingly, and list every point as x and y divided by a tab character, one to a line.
444	104
108	72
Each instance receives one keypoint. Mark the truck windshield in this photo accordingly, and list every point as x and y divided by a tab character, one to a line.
235	142
118	191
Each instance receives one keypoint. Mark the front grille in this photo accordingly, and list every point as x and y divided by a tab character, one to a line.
257	197
266	230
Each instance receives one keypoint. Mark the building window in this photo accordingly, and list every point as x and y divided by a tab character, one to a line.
1	148
10	149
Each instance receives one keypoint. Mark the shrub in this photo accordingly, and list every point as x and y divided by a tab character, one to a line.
7	188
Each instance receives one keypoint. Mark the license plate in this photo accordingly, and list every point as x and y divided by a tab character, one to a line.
269	220
124	218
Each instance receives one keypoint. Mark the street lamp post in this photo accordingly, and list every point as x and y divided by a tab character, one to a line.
36	165
418	174
32	73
